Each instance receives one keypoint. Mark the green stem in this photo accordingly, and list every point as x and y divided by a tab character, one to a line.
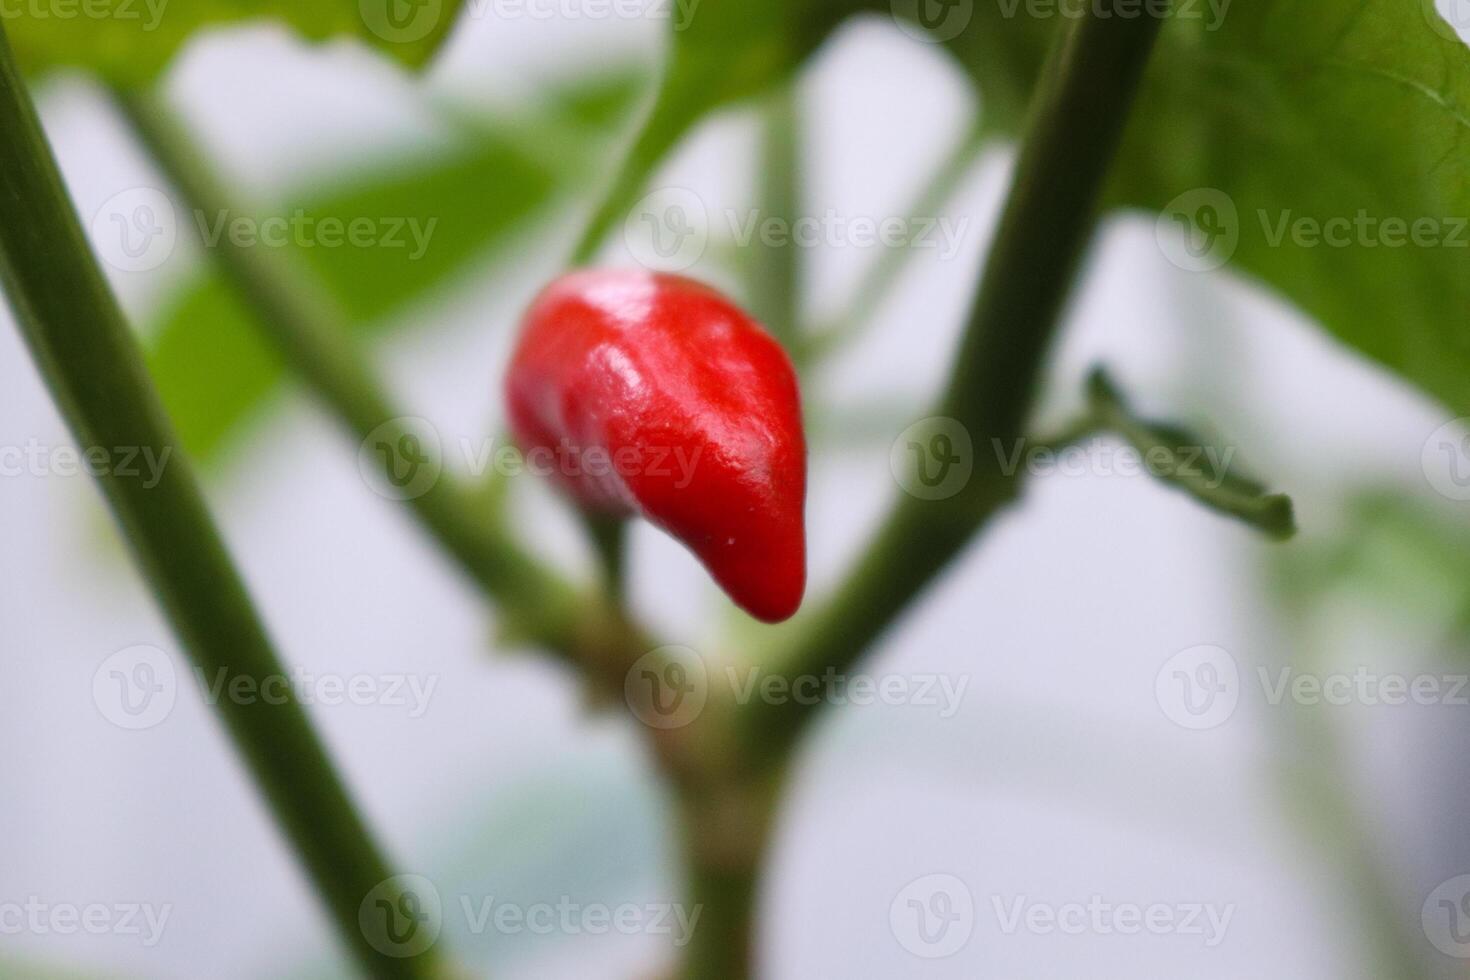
723	947
81	343
727	817
891	262
775	280
308	328
674	110
609	535
1076	125
1240	498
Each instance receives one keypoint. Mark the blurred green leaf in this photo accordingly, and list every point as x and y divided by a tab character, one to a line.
1304	111
1266	114
1394	553
205	353
129	42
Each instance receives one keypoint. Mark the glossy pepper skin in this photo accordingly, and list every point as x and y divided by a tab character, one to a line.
695	406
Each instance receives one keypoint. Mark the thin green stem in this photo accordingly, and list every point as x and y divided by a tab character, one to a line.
1178	466
1076	125
776	268
309	329
674	110
890	264
84	349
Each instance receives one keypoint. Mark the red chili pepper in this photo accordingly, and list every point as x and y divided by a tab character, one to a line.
653	394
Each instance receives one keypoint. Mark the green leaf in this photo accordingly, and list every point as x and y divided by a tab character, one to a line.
205	353
1288	111
1327	112
129	42
1202	468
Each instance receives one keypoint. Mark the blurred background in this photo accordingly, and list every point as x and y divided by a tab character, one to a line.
1280	838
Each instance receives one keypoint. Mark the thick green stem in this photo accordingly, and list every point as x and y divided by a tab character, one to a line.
723	946
727	815
308	328
1076	124
82	345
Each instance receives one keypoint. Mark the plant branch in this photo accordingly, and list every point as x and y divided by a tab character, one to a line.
83	347
1076	124
307	327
